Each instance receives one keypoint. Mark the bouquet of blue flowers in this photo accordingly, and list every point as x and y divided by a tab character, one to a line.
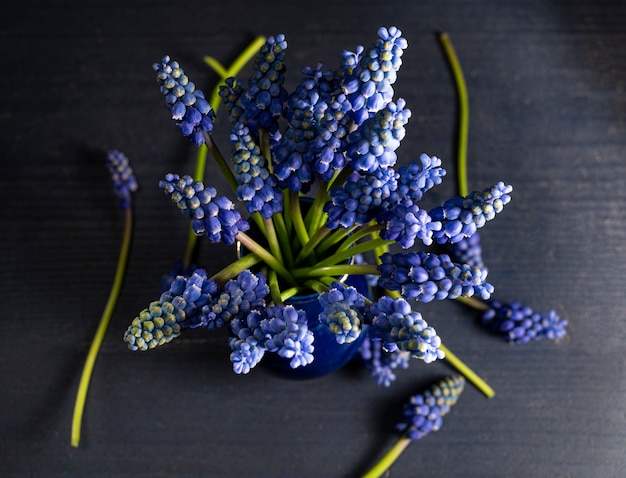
319	201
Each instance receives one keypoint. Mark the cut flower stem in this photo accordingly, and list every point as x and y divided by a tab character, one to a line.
96	343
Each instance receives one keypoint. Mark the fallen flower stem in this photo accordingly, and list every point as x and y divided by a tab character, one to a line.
463	112
467	372
96	344
389	458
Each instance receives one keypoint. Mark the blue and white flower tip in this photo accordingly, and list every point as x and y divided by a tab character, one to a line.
461	216
424	412
124	181
190	109
211	215
518	323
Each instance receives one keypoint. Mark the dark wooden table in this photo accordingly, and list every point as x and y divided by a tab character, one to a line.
547	87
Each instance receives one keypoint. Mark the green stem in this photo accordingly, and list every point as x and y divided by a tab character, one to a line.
369	230
474	303
315	213
316	286
341	256
272	281
390	457
463	112
272	239
336	270
266	256
283	238
298	221
235	268
340	178
467	372
335	238
221	162
96	343
310	245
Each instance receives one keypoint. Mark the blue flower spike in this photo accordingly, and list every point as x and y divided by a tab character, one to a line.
124	181
401	328
520	324
461	216
257	186
190	109
424	412
427	276
211	215
342	311
381	363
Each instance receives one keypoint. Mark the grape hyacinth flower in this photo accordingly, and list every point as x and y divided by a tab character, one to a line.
381	363
262	102
238	298
367	85
288	335
373	145
461	216
124	182
361	198
401	328
408	222
426	276
177	309
342	310
518	323
415	179
257	186
424	412
211	215
190	110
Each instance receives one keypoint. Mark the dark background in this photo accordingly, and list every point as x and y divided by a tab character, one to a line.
547	87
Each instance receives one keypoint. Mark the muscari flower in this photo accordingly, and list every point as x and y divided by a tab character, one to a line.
368	84
426	276
518	323
373	144
124	181
424	412
361	198
236	300
279	329
401	328
257	186
461	216
177	309
263	100
211	215
381	363
287	334
342	309
415	179
190	110
312	140
406	222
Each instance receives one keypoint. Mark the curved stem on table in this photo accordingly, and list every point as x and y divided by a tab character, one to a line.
96	343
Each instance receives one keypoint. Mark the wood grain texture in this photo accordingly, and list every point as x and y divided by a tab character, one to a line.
547	87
